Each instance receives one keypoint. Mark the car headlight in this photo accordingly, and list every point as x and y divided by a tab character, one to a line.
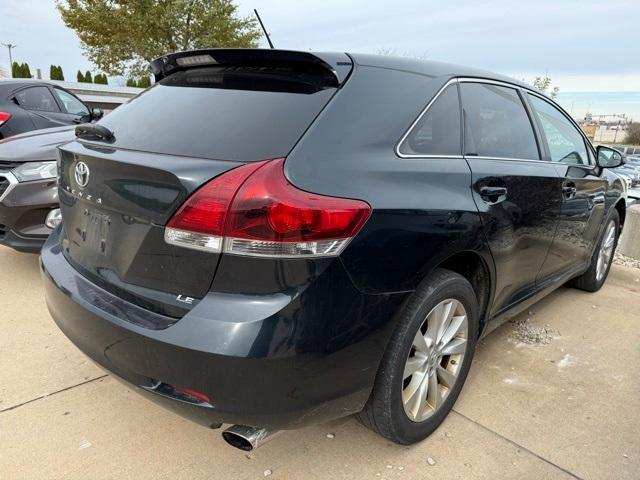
36	171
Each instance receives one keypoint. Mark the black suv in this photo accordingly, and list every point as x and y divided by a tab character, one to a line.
273	239
27	105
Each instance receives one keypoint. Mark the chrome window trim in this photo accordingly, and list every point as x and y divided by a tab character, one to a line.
417	120
13	181
509	159
506	159
524	89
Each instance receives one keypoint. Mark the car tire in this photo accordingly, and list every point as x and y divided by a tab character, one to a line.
593	279
392	411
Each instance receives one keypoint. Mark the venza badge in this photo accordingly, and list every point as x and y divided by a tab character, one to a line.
81	174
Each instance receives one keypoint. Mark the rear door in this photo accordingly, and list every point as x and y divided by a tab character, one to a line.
584	190
517	193
117	195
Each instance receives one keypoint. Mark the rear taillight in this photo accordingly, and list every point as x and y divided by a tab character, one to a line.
253	210
4	118
199	223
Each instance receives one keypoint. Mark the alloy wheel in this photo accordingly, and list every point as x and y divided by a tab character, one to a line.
606	250
435	359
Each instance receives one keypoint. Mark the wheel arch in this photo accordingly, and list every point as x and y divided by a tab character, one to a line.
472	266
621	207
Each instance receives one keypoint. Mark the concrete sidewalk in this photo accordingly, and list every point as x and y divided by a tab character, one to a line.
566	409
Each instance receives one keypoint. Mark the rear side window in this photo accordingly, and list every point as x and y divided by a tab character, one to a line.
37	98
437	132
496	123
225	113
566	143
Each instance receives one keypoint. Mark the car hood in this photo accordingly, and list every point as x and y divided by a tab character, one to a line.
37	145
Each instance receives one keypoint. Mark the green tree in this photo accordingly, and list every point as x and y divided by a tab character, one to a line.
101	79
87	77
20	70
131	82
55	72
123	36
144	82
633	134
543	85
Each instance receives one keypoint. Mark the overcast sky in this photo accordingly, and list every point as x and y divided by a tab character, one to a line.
583	45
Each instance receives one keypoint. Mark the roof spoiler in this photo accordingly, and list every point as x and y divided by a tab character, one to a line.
335	66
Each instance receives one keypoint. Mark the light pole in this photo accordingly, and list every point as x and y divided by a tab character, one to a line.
10	46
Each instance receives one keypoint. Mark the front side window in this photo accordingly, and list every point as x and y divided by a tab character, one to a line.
566	143
438	130
71	104
496	123
37	98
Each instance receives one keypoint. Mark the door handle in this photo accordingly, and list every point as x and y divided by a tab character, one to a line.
493	194
569	190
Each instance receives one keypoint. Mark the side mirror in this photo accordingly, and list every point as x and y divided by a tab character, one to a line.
96	113
609	157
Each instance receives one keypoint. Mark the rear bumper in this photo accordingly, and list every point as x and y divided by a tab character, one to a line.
23	212
233	362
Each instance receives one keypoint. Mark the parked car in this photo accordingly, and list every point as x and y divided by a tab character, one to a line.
634	172
28	190
626	176
27	105
627	150
318	235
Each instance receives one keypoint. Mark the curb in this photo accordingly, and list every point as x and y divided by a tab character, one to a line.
624	275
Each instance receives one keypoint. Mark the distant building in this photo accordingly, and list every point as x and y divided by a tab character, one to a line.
4	73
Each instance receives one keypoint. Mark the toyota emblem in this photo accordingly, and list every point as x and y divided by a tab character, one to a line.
81	174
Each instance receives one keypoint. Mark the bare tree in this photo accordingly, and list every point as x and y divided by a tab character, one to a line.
543	85
394	52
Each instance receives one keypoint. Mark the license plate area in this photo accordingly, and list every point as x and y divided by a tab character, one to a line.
94	231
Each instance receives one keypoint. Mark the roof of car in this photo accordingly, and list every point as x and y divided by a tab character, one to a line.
9	84
9	81
430	68
337	62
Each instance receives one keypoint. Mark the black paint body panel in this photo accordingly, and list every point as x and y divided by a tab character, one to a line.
277	360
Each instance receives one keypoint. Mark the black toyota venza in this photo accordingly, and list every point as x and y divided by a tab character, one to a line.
273	239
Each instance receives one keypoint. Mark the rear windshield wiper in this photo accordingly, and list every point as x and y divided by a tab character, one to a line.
92	131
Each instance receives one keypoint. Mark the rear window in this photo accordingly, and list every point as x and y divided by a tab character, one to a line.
243	114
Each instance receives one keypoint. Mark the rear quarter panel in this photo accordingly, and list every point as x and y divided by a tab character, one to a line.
423	210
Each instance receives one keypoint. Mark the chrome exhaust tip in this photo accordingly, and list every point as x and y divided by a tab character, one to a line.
247	438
